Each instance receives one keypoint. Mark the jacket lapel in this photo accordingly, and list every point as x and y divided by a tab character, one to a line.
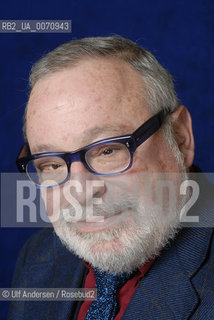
166	291
70	272
50	265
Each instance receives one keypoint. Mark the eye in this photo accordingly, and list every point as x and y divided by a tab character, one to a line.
107	151
48	167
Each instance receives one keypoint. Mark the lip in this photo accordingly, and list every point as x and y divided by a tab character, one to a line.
85	226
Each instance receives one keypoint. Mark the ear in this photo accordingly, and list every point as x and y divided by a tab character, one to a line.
182	128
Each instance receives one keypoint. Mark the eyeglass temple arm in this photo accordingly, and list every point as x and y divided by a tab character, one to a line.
149	127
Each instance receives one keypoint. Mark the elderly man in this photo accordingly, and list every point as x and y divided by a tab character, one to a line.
103	125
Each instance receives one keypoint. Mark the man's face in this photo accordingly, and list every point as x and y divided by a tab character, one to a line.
97	99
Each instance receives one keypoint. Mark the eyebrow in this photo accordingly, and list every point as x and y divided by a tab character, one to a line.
89	137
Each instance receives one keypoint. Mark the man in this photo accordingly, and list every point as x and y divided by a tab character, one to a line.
103	127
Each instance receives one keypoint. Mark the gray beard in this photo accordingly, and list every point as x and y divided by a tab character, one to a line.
127	245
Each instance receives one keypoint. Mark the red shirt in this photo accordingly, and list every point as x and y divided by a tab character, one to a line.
124	295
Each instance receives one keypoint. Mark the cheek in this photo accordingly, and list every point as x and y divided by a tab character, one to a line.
124	186
150	164
58	198
155	156
53	202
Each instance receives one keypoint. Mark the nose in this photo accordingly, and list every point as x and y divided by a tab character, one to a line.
83	185
77	167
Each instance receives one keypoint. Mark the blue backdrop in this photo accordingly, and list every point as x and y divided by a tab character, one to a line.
179	33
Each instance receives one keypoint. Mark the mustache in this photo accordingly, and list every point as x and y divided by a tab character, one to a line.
78	213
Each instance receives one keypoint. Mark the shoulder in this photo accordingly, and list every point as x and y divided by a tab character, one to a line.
42	251
37	246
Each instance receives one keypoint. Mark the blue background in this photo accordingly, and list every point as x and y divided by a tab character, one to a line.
179	33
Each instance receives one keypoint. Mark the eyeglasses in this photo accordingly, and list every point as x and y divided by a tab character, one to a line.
105	157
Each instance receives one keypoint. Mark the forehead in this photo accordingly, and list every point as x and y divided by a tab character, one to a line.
95	93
